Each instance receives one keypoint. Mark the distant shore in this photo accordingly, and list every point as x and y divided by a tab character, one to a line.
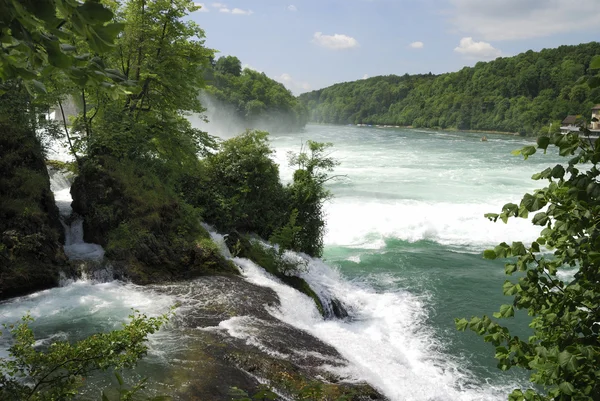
425	128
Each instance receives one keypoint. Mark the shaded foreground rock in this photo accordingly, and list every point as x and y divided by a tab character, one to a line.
31	236
233	341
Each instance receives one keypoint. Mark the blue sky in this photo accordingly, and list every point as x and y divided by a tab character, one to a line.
311	44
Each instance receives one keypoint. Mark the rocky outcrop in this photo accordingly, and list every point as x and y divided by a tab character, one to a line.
149	234
235	342
31	235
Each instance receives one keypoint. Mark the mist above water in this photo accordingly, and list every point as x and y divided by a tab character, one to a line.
225	121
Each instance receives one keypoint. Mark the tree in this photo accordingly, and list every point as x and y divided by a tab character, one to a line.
563	354
305	229
58	372
521	93
239	188
160	57
229	65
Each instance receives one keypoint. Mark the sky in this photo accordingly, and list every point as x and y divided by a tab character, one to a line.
311	44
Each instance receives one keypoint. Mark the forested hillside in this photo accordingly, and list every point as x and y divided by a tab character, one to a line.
259	101
524	93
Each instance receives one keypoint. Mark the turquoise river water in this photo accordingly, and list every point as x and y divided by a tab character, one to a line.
405	235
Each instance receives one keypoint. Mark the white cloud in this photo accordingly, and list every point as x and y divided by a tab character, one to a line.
522	19
248	66
366	76
478	50
203	8
292	84
223	8
239	11
416	45
292	8
336	41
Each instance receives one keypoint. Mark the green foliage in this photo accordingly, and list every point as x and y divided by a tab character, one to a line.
142	222
307	194
37	36
58	372
563	354
164	53
238	187
524	93
257	99
30	230
229	65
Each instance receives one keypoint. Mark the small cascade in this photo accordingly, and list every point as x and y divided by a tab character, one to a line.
86	256
383	335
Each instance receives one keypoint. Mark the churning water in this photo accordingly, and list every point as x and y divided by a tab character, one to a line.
403	255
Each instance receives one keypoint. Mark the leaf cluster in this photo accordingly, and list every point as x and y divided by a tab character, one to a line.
58	372
37	36
563	353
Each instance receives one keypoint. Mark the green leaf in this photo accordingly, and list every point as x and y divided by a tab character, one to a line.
540	219
567	361
94	13
543	142
119	378
461	324
489	254
509	288
558	171
593	189
39	86
566	388
528	151
510	268
56	57
595	63
506	311
518	249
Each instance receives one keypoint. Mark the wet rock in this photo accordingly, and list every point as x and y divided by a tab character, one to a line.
233	340
337	309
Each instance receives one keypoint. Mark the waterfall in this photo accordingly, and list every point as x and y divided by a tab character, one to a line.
75	247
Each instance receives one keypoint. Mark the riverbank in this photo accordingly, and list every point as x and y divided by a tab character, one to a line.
410	127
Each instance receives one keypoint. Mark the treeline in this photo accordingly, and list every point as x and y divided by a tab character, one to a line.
524	93
257	100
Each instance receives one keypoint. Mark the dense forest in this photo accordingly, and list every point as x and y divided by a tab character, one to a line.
254	98
524	93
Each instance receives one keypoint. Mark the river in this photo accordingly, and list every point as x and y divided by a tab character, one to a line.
405	234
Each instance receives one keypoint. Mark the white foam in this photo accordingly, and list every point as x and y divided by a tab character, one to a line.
386	342
75	247
83	308
451	224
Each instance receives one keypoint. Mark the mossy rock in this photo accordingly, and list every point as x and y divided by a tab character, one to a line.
149	233
31	235
268	259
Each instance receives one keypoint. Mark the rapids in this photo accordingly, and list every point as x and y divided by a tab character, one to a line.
403	256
